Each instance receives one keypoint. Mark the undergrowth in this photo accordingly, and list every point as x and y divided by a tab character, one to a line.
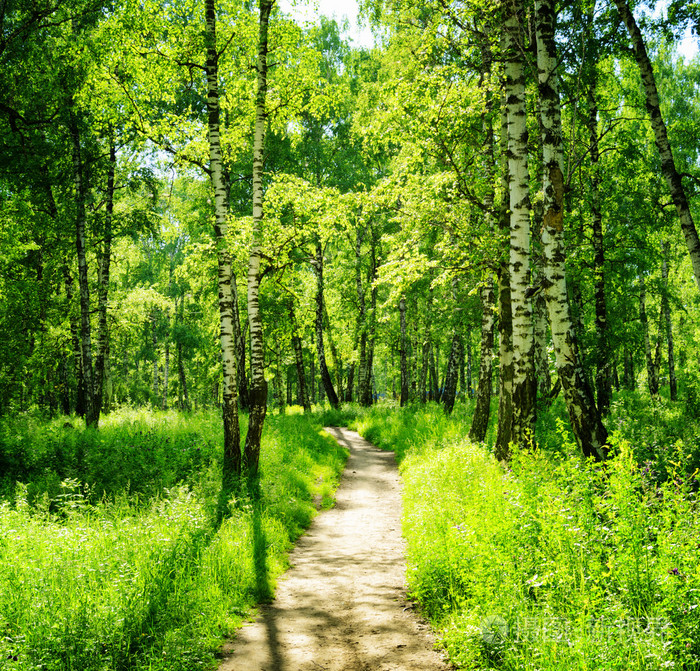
552	562
110	558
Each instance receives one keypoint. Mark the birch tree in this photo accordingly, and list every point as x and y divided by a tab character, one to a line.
232	440
258	385
583	414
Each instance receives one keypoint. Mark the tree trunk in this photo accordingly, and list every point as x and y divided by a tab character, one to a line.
434	393
258	386
404	354
75	345
103	279
232	463
524	387
666	309
335	356
320	348
92	413
350	383
239	338
652	373
588	430
668	164
452	374
166	369
603	379
425	360
482	409
298	358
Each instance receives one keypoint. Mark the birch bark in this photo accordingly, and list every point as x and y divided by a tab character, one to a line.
258	385
589	431
668	164
524	388
232	436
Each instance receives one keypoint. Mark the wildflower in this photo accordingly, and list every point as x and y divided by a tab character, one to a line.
674	571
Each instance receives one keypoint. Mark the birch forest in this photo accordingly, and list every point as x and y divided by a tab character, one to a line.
223	227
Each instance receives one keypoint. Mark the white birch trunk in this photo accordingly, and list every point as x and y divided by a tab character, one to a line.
585	420
668	164
519	190
232	449
258	385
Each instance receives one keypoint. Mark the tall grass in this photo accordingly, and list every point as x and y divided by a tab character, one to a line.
551	563
113	570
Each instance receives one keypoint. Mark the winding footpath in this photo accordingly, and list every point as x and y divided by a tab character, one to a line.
342	606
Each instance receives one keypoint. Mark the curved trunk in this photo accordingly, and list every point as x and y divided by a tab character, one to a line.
258	385
232	436
320	349
589	431
668	164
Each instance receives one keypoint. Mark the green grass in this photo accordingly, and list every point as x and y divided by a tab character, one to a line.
552	563
122	566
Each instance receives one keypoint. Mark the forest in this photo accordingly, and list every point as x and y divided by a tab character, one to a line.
222	229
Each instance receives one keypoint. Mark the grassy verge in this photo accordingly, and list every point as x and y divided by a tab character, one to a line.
552	563
109	558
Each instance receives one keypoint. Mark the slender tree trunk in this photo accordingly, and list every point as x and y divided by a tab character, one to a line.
335	356
652	375
589	431
666	308
350	383
482	409
452	373
185	404
166	368
258	386
75	345
668	164
404	353
524	387
92	413
434	393
232	463
425	359
103	275
239	338
603	379
298	358
320	348
505	313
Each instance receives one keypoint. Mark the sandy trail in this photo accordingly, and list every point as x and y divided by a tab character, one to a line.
342	606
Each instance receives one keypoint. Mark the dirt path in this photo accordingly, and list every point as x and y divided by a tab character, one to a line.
342	605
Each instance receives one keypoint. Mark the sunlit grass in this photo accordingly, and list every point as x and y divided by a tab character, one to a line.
107	572
551	563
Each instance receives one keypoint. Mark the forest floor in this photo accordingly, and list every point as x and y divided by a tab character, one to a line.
343	605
